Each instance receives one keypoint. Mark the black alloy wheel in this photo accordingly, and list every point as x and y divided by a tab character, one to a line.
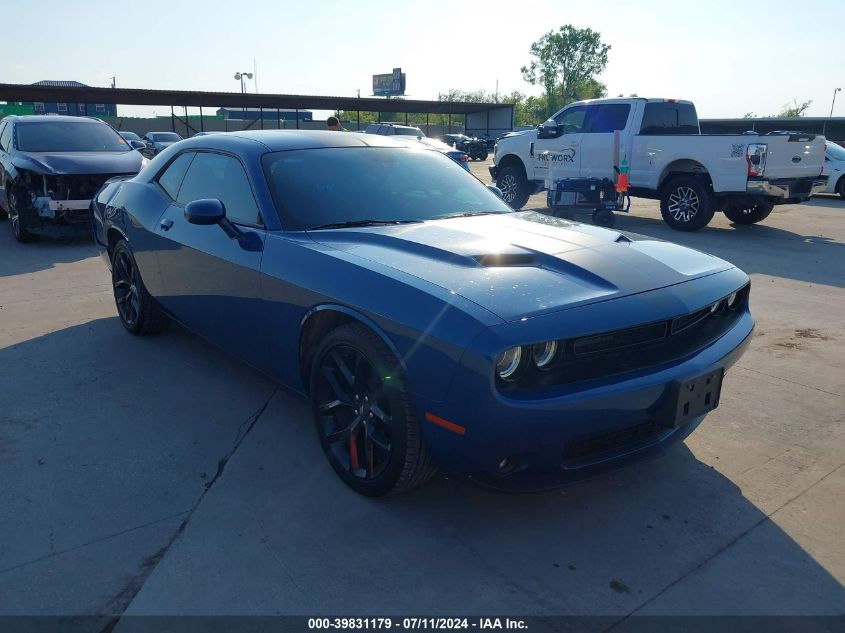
365	416
137	310
15	205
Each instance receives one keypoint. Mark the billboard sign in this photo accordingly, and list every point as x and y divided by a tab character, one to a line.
389	84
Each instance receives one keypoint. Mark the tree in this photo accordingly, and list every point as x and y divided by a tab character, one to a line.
794	110
565	60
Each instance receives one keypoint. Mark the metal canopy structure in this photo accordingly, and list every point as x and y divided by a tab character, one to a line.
190	98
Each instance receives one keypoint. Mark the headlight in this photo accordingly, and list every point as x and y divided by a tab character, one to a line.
544	353
733	300
716	307
509	363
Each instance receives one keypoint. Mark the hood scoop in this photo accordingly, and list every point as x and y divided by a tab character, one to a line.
506	260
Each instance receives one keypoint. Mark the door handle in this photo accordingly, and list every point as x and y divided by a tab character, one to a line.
166	223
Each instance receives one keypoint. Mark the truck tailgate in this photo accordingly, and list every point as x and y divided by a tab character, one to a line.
793	155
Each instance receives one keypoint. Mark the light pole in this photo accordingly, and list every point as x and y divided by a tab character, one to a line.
832	103
240	77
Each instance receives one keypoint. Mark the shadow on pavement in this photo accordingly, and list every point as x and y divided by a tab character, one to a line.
42	254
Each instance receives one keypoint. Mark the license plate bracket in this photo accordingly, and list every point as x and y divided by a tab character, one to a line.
691	398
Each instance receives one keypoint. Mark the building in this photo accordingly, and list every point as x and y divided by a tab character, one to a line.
71	109
267	114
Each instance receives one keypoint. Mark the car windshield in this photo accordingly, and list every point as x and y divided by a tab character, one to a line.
317	187
407	131
166	137
130	136
836	152
68	136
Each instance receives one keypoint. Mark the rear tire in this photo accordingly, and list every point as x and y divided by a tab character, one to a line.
750	212
686	203
138	311
514	185
482	155
840	188
365	414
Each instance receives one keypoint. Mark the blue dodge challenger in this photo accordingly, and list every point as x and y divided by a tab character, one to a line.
427	322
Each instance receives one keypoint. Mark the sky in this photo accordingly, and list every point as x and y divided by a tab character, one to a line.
729	57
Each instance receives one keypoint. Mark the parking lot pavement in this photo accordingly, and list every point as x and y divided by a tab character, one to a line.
158	476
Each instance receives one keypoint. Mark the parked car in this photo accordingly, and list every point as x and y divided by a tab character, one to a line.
134	140
459	156
50	167
205	133
393	129
157	141
475	148
834	168
693	175
129	136
426	322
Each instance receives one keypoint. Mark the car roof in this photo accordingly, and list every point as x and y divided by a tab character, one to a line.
282	140
41	118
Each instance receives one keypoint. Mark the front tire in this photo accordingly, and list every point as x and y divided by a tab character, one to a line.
686	203
16	204
749	212
138	311
365	415
514	185
840	188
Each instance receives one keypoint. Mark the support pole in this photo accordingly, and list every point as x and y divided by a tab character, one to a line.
261	115
172	120
297	118
427	132
278	118
202	127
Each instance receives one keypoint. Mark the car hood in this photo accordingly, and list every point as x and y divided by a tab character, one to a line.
80	162
523	264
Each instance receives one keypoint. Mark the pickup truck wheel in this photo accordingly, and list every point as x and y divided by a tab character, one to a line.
840	188
686	204
514	185
748	212
482	154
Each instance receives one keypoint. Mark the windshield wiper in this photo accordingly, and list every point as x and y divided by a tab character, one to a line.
354	223
471	213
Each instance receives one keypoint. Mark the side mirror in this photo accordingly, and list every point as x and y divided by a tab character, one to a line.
139	145
495	190
549	129
205	212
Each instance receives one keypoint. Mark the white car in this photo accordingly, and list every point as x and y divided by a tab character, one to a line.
834	168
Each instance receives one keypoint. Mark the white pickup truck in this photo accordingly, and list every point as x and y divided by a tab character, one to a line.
693	175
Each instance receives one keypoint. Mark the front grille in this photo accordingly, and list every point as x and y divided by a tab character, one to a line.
593	446
631	349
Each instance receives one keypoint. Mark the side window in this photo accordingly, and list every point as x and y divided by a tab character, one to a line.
572	120
608	117
5	136
669	118
221	177
172	177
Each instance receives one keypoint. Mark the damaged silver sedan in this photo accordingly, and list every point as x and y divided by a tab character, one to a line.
51	167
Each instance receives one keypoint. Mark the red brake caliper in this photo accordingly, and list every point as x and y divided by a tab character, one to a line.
353	451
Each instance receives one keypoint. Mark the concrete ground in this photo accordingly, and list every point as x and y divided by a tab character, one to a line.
159	476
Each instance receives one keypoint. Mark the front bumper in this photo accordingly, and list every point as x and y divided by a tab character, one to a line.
544	439
788	188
